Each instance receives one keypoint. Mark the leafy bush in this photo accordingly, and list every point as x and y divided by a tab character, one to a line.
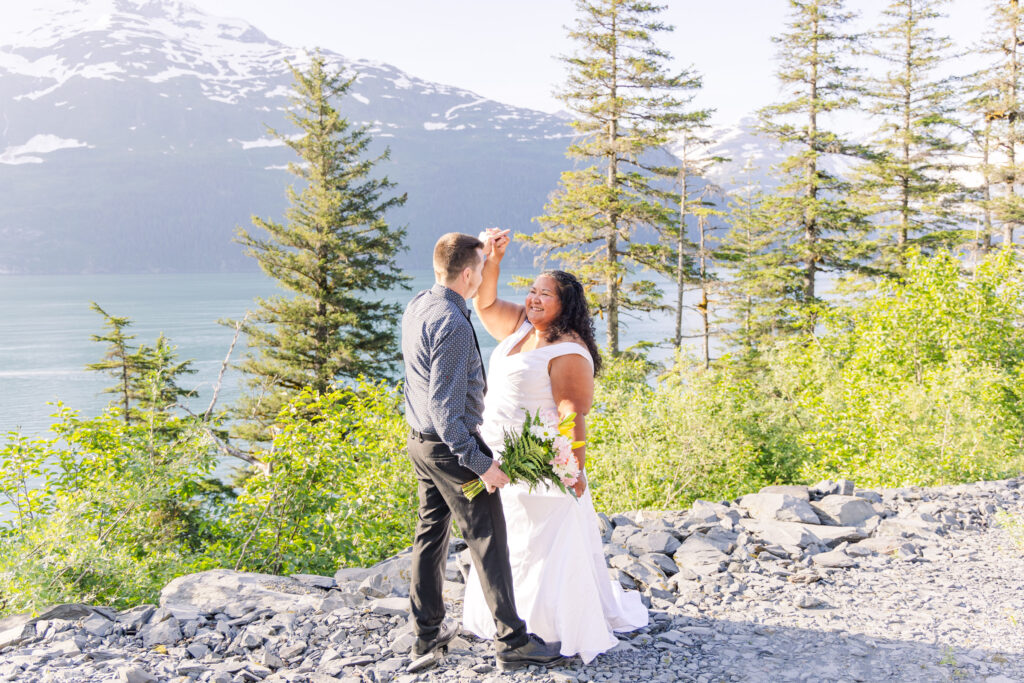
921	385
695	434
108	512
340	489
103	513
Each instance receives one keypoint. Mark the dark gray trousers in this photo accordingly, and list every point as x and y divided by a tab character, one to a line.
482	523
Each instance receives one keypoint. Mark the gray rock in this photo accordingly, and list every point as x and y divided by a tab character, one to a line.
845	487
18	627
351	574
793	490
779	506
398	607
722	538
645	576
707	511
663	562
164	633
913	525
700	556
622	533
776	533
198	650
397	571
652	542
825	487
134	674
290	652
834	559
325	582
842	510
868	495
98	625
224	590
376	586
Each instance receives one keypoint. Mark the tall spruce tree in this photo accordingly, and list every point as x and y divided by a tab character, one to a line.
335	253
907	187
811	210
626	105
998	99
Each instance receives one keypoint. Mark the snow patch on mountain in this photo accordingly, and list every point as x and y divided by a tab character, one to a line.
38	144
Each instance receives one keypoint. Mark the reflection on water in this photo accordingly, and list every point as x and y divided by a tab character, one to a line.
46	326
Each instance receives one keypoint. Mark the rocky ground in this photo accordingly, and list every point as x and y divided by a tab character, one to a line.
828	583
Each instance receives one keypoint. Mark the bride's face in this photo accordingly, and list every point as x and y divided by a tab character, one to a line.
542	303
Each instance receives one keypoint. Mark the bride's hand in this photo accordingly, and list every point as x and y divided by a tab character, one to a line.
581	484
495	241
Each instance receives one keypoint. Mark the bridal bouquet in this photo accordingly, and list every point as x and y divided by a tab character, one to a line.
541	452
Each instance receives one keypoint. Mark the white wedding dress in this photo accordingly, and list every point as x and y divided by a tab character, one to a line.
562	587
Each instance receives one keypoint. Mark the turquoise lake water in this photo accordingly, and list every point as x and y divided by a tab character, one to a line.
46	323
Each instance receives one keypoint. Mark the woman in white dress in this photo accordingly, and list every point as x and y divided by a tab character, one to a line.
547	360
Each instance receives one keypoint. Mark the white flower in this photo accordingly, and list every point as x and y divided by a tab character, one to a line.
543	432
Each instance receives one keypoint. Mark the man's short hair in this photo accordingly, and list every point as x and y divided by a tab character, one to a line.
455	252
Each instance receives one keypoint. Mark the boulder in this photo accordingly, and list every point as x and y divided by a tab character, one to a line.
645	576
356	574
773	532
324	582
623	533
911	525
722	538
780	506
18	627
700	556
135	618
652	542
794	490
223	590
840	510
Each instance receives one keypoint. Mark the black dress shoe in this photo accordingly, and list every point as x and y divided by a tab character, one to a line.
534	652
448	631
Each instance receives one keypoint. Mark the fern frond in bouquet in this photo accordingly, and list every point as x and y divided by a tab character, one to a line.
540	452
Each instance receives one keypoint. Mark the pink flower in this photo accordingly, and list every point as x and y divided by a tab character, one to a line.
550	418
569	481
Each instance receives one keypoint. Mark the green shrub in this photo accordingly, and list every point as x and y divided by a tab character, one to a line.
921	385
340	489
695	434
113	512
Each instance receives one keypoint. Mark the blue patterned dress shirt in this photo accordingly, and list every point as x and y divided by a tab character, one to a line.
444	374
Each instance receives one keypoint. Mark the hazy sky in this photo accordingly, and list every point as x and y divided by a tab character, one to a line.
506	49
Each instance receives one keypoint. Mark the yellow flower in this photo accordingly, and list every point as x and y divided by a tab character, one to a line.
567	425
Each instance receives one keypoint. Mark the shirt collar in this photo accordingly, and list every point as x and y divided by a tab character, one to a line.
451	295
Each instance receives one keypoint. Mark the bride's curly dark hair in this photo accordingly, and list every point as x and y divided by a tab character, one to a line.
575	316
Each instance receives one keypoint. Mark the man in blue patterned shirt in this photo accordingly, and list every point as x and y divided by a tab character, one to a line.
444	390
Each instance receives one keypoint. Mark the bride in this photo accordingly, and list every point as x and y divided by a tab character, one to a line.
547	360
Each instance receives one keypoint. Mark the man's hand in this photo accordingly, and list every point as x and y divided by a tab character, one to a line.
495	241
494	478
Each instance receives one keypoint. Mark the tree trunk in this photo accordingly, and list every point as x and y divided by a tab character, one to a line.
680	279
810	221
703	224
612	280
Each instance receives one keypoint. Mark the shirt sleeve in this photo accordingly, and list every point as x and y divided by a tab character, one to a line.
449	381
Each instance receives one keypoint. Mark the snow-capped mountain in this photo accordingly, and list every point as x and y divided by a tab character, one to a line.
133	136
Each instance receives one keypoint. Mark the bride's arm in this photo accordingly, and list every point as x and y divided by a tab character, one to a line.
572	386
500	318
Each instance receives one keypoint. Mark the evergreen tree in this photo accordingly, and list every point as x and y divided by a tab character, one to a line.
626	105
147	376
997	99
811	212
335	253
906	185
765	283
117	361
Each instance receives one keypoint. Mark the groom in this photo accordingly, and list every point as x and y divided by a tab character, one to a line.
444	390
